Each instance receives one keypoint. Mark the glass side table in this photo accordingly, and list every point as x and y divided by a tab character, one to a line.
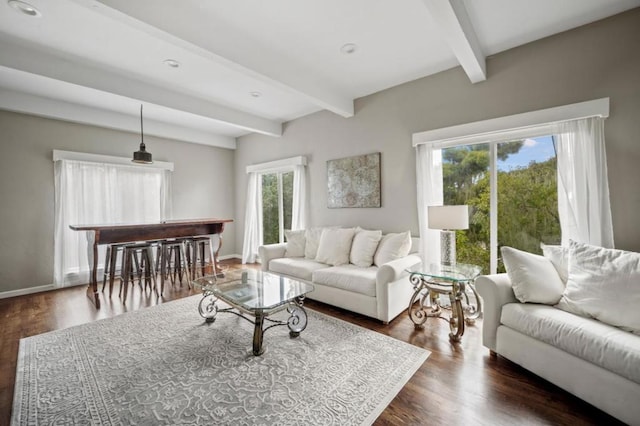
455	283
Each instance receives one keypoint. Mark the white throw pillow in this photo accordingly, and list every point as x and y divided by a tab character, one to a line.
392	247
295	243
335	246
534	278
364	247
559	256
604	284
312	239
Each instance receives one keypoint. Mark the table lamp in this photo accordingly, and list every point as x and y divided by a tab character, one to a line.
448	219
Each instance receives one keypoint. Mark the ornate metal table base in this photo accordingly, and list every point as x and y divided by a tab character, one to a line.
425	303
296	322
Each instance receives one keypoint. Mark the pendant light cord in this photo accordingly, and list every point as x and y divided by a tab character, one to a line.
141	128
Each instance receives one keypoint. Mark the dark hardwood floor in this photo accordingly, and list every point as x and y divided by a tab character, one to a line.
459	384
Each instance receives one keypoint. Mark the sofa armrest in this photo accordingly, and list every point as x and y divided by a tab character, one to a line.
269	252
396	269
495	291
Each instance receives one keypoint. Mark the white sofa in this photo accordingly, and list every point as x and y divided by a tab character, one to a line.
594	361
381	292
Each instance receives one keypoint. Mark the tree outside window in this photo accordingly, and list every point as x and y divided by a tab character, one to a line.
277	206
527	196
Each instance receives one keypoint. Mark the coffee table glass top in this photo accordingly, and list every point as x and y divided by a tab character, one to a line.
458	272
254	290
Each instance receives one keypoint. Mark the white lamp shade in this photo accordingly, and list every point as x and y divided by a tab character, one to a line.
448	217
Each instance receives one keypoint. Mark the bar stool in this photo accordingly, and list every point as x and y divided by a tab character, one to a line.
110	262
143	265
169	250
196	249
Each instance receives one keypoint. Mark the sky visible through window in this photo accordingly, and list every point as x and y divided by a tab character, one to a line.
534	149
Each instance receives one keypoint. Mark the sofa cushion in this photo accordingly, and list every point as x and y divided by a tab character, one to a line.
533	277
559	256
312	239
348	277
604	284
608	347
335	246
298	267
392	247
364	247
295	243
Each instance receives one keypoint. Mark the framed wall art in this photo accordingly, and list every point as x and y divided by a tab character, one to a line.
354	182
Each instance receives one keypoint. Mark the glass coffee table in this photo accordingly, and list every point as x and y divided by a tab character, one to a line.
453	282
255	295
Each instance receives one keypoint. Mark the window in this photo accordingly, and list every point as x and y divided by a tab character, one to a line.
526	189
277	206
89	192
276	201
531	186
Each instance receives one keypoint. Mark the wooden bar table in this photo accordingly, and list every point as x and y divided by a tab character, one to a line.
125	233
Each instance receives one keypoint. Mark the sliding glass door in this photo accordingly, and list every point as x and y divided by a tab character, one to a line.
511	190
277	205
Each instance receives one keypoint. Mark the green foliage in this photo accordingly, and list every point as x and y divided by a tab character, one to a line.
527	202
270	209
270	234
287	198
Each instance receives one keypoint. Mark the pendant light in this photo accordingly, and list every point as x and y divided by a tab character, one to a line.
142	156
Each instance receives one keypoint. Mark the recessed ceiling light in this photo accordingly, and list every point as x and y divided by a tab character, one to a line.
24	7
172	63
255	94
349	48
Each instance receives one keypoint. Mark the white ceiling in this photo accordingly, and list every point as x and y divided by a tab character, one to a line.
95	62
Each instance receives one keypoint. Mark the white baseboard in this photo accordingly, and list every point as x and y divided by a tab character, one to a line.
29	290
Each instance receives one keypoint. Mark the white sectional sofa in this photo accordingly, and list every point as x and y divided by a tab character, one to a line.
596	361
371	280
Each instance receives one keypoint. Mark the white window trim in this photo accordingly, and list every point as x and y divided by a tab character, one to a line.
518	126
278	165
98	158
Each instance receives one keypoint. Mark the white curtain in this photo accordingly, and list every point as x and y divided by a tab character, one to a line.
429	177
252	220
299	209
583	189
88	193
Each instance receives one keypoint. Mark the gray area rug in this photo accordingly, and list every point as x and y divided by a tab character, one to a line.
165	365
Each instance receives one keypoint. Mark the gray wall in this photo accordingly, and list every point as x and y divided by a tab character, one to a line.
598	60
203	186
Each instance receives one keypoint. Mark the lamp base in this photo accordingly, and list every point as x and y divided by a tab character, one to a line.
448	248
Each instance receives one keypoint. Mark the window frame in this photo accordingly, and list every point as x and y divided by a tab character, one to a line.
278	167
280	189
493	131
68	276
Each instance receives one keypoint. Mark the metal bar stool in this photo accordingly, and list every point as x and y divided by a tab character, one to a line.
197	247
133	265
168	251
110	262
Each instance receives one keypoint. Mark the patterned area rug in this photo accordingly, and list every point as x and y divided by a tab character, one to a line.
165	365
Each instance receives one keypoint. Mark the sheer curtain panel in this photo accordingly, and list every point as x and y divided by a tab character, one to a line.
299	210
99	193
252	220
429	177
583	188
